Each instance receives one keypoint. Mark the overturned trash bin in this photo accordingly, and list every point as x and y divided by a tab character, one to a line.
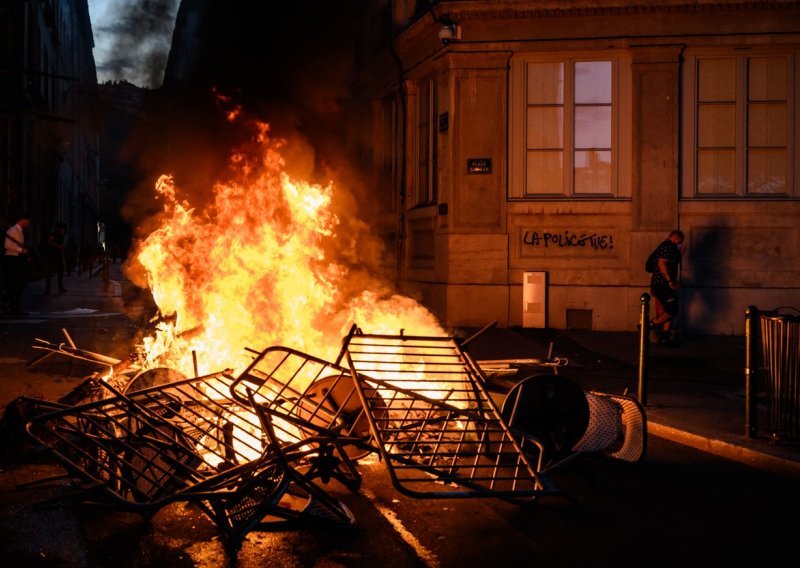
780	344
571	421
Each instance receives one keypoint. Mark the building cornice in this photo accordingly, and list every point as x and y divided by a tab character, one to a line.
419	40
511	9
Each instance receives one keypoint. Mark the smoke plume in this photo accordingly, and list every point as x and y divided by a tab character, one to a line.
138	35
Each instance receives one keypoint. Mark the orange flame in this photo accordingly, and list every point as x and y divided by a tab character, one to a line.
258	267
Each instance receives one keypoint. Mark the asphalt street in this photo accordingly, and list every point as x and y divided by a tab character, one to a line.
682	504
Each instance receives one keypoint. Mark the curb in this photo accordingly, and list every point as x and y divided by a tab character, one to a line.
726	450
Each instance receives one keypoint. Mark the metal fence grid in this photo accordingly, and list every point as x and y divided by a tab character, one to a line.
439	432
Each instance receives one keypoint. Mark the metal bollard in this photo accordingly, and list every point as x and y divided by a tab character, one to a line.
644	332
750	389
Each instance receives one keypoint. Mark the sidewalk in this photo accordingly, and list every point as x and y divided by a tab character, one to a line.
84	292
695	391
93	313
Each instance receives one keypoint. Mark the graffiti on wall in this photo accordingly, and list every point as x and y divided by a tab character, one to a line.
588	240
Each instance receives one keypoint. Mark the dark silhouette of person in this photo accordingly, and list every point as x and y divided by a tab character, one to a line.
54	257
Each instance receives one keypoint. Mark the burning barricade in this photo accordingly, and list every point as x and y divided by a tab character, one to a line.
251	436
255	448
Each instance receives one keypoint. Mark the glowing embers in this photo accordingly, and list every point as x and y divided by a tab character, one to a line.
434	420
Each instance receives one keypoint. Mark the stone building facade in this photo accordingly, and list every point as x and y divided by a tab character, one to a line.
530	155
48	131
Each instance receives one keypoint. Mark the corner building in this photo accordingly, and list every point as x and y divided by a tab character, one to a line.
530	154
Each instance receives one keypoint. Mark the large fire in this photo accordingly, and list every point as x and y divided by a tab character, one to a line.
261	265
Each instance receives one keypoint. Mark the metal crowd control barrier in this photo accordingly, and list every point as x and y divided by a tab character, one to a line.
438	430
190	441
307	397
248	449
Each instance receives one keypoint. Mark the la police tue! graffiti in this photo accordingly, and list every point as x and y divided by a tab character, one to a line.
567	239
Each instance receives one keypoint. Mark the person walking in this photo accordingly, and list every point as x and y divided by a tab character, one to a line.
666	259
15	264
54	257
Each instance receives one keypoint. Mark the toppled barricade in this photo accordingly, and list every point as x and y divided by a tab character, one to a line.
255	449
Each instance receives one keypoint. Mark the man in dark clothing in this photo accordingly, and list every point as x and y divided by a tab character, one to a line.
54	257
15	264
664	284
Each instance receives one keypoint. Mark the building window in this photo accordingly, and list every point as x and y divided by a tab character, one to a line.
740	125
567	108
388	157
427	144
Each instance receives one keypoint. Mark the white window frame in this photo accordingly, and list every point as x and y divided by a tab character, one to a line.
690	117
620	120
